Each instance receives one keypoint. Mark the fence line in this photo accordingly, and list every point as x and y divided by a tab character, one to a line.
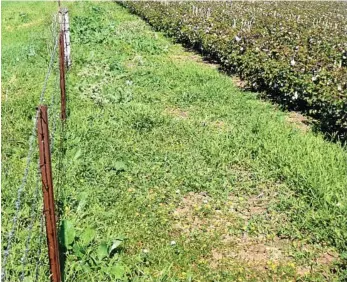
24	181
46	147
33	214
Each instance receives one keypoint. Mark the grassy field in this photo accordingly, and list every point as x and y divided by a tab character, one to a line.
169	172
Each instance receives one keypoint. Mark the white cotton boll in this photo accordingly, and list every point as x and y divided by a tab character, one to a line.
173	243
295	96
292	62
238	39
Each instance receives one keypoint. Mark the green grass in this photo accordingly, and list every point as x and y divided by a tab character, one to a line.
166	160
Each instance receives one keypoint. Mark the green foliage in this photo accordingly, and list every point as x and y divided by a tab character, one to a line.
295	51
67	234
89	30
130	164
87	236
82	250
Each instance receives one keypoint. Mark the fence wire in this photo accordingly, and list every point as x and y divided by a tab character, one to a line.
53	114
39	250
33	216
24	181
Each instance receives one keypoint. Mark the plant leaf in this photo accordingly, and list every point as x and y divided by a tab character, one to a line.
87	236
120	166
78	250
118	271
67	233
115	245
77	155
102	251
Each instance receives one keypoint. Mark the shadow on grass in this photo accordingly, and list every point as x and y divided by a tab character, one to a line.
61	199
62	251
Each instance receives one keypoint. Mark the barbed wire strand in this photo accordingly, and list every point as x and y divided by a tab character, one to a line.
26	170
33	216
54	32
37	189
61	179
53	114
39	251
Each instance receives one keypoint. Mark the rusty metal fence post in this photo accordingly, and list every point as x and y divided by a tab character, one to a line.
62	76
48	195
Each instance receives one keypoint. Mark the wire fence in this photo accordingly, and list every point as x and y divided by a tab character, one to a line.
23	256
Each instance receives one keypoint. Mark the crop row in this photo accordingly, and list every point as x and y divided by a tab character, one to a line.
295	51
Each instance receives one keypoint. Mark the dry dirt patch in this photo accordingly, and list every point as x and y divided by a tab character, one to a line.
239	82
177	113
299	121
251	205
183	114
197	213
219	124
256	252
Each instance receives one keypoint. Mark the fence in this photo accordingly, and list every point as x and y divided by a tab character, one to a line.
34	212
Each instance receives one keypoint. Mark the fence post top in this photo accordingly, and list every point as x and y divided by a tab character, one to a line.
63	10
